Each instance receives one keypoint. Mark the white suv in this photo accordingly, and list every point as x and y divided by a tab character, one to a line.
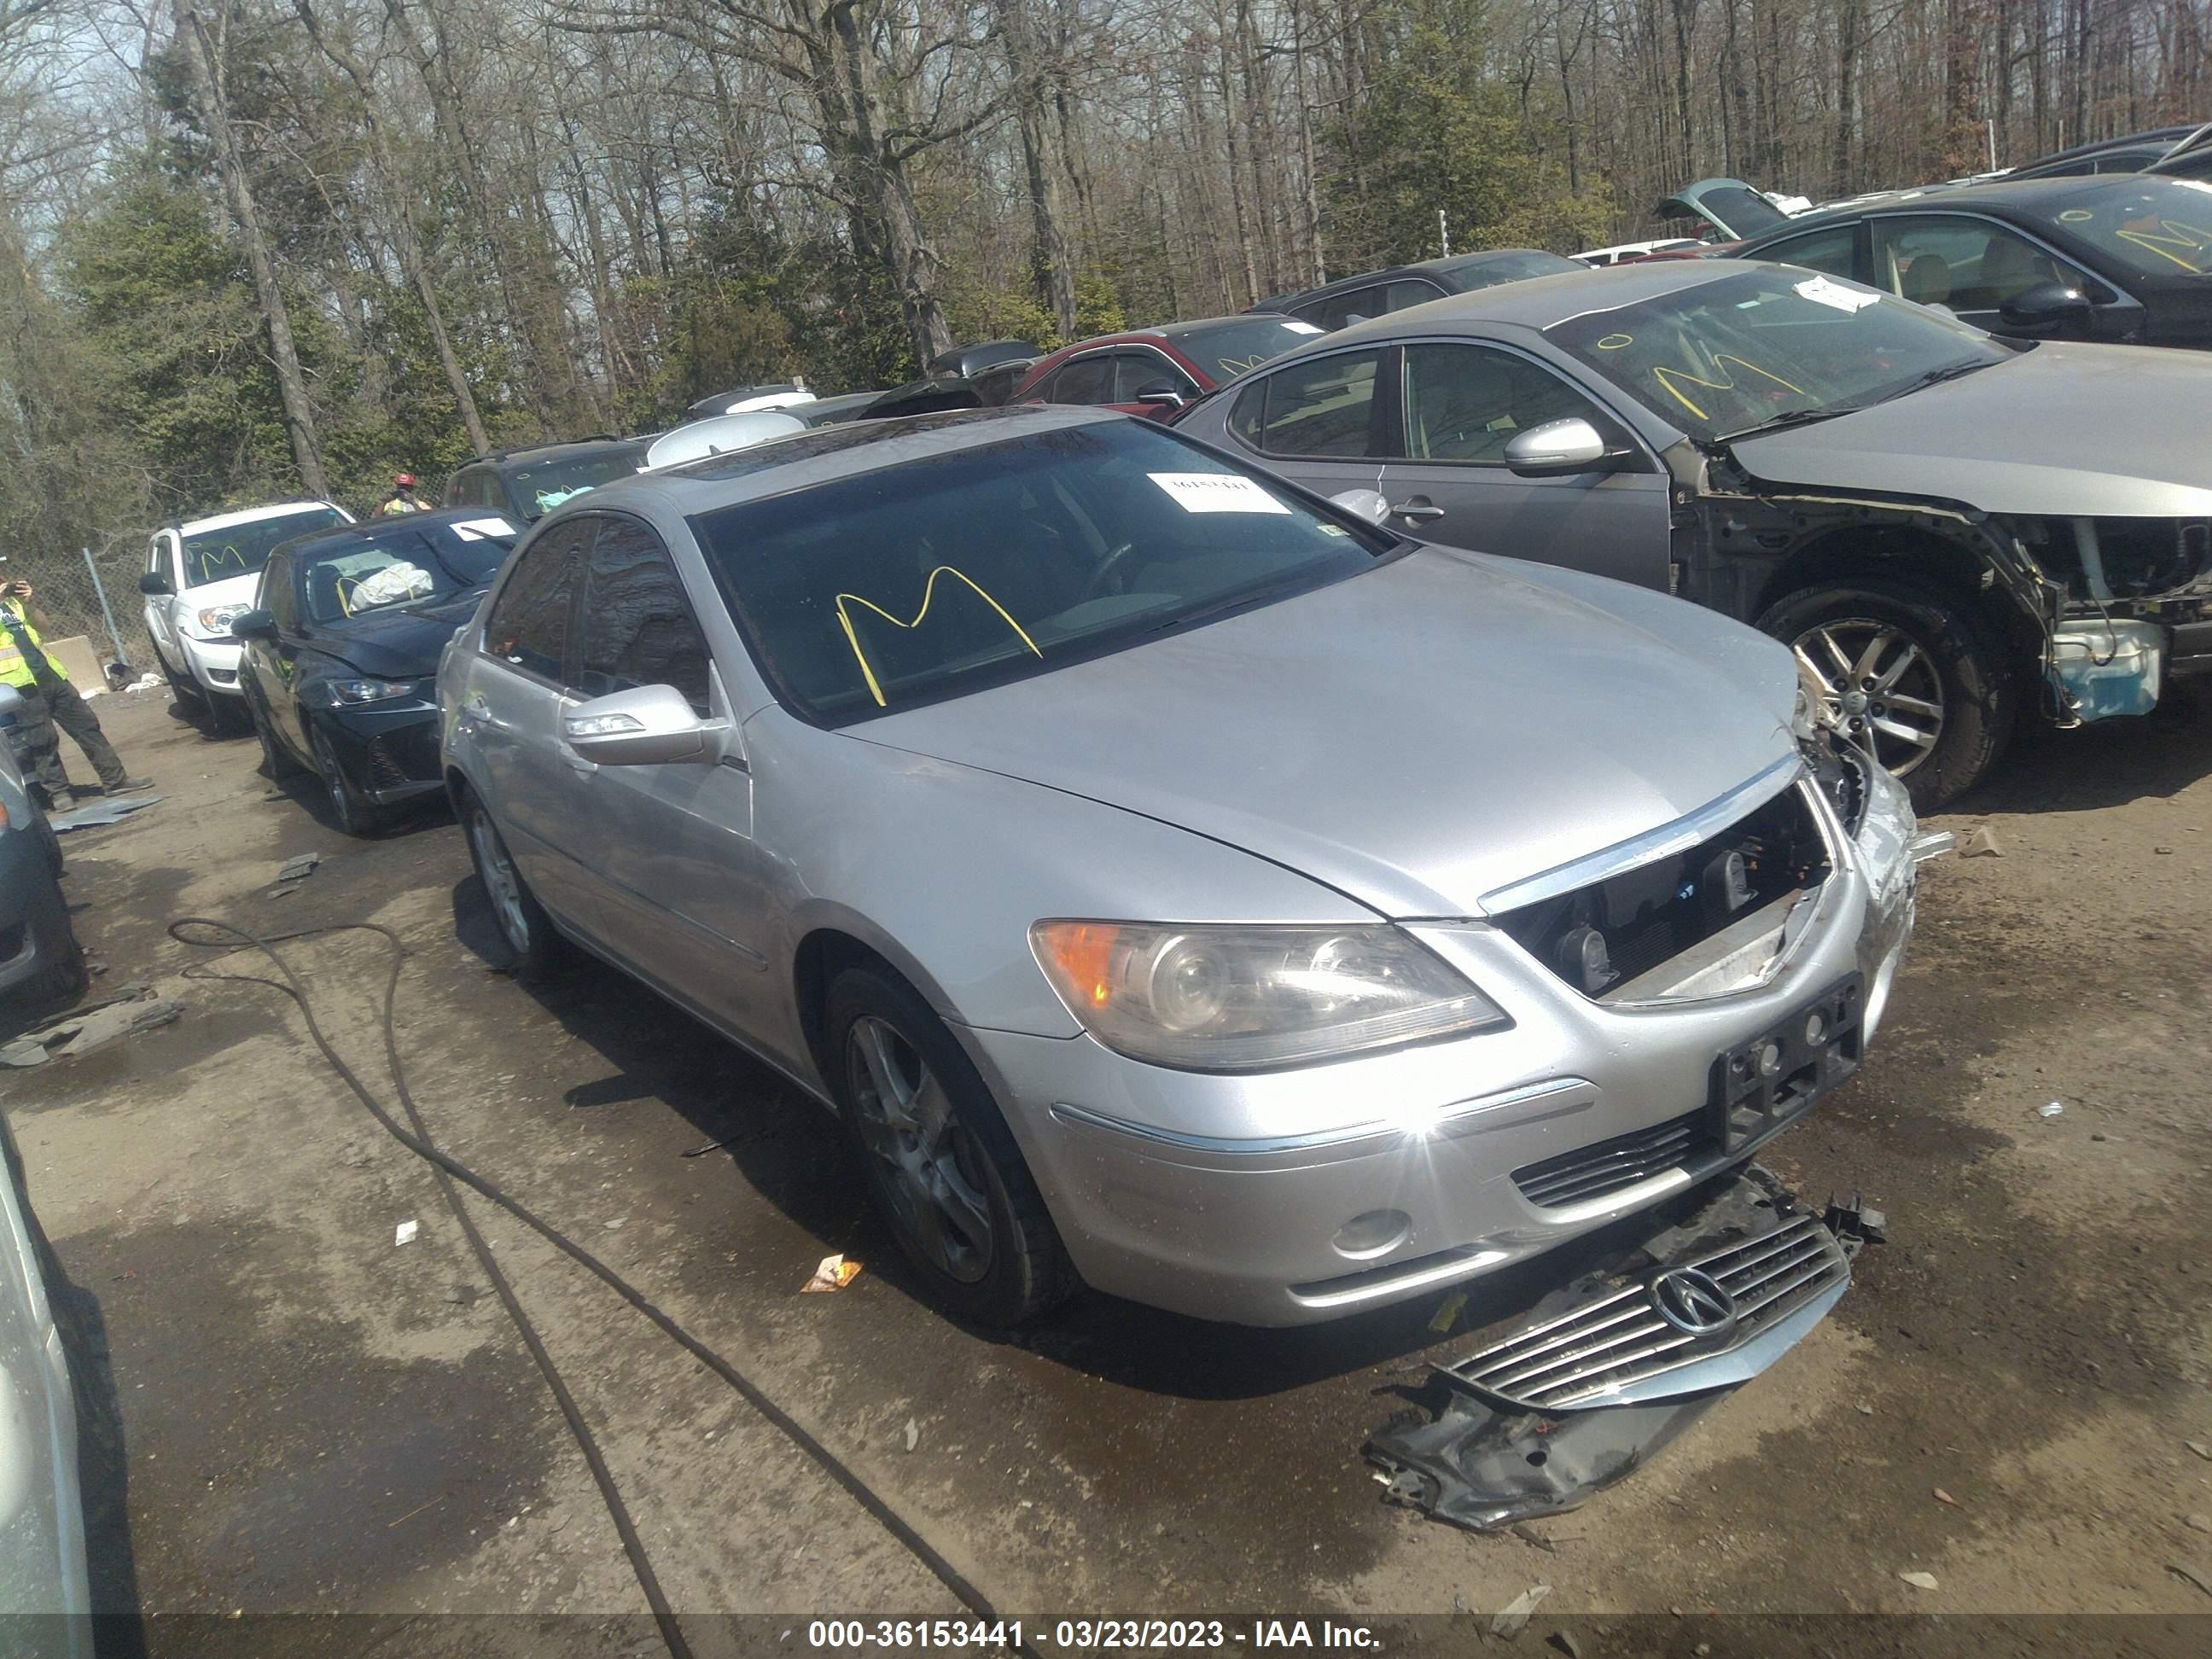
200	574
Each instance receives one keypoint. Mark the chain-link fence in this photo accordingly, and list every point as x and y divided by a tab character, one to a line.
95	595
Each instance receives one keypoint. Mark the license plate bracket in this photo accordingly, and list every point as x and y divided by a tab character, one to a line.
1760	1085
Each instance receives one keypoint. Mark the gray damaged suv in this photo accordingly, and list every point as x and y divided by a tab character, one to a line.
1952	531
1170	880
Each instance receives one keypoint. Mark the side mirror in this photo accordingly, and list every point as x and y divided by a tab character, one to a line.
253	625
2046	307
1556	448
154	585
1161	392
1370	506
648	725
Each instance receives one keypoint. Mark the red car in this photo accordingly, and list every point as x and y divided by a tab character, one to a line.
1156	371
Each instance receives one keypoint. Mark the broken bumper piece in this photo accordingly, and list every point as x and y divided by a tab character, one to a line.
1614	1366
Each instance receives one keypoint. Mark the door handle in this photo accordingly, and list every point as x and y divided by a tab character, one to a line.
1419	511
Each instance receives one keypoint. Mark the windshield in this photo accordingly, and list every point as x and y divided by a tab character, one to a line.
2158	227
1229	349
212	555
914	583
1509	268
416	562
543	486
1728	356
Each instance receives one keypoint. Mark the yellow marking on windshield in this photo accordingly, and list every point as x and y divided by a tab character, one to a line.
2075	216
2171	234
928	592
1667	377
1615	342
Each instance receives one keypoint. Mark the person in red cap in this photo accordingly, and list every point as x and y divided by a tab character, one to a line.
402	498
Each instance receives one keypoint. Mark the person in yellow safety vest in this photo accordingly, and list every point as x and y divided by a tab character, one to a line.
402	498
51	706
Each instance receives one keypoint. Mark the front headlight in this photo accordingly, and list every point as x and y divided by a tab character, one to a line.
214	622
1232	999
1886	831
347	693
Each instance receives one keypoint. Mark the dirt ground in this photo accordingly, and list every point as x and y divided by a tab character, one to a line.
292	1414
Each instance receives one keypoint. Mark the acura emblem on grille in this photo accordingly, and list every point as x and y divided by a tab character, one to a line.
1693	1302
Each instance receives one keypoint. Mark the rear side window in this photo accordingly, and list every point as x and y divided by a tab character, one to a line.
529	625
1322	407
1833	251
1086	380
638	627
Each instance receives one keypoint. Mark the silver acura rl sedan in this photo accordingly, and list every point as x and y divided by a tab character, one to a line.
1173	882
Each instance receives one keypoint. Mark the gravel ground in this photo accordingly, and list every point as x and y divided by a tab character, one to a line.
287	1412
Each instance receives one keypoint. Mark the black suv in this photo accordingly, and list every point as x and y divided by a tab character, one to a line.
526	484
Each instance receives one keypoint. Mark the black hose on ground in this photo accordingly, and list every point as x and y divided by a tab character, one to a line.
229	940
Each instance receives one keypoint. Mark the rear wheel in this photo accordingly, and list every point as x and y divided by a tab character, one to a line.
354	811
1909	672
527	931
939	1162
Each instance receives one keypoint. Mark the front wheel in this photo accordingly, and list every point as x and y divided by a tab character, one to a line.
353	811
939	1162
1909	672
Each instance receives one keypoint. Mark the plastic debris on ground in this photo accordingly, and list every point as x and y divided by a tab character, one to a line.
1448	1313
94	813
1513	1618
2051	1109
299	869
405	1233
913	1434
1981	843
1919	1580
132	1008
2180	1570
833	1273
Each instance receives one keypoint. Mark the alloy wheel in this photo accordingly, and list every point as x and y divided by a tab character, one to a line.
1881	684
928	1163
500	882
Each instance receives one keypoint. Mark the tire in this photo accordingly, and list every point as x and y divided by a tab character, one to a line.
967	1214
276	761
61	976
183	689
536	945
1964	698
350	810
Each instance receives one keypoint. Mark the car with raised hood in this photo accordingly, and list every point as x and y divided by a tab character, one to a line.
1173	881
341	653
2124	257
1951	531
200	574
1377	293
1155	371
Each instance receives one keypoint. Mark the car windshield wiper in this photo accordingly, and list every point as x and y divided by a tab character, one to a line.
1787	418
1935	377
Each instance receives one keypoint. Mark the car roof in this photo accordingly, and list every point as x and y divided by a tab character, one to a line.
1444	265
545	451
251	516
2035	197
823	455
1537	302
369	529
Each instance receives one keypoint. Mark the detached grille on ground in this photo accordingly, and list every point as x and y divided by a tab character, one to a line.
1590	1356
1607	1166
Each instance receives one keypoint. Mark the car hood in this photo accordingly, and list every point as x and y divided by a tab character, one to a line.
1415	737
403	643
2079	430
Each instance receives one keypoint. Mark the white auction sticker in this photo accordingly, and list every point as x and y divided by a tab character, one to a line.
477	530
1822	292
1216	492
1301	328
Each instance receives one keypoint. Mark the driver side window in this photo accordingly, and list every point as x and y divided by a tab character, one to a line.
529	625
